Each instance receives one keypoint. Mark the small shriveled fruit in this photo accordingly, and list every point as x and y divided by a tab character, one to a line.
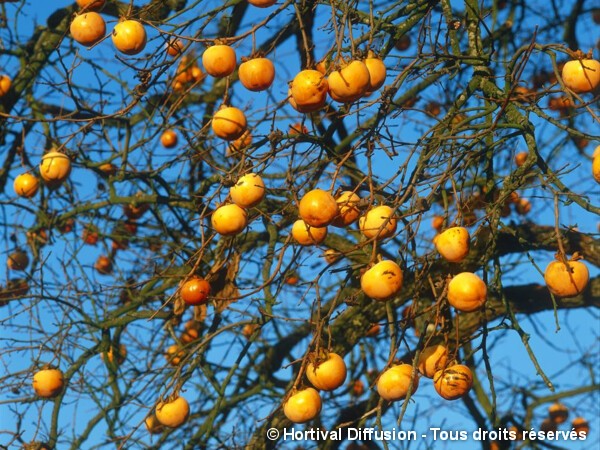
467	292
453	243
168	139
17	260
558	412
229	123
88	28
26	185
174	47
304	234
103	265
248	191
382	281
153	425
394	383
5	84
432	359
520	158
523	206
566	278
331	255
303	405
219	60
237	147
174	354
327	374
453	382
48	383
580	425
129	37
379	223
581	75
191	333
348	209
257	74
110	355
437	222
229	220
318	208
173	413
195	291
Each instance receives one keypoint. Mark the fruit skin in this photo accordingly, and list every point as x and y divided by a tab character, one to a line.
229	220
262	3
236	148
248	191
55	168
348	209
558	412
331	256
26	185
174	354
329	374
129	37
581	75
219	60
257	74
304	234
195	291
453	382
229	123
382	281
103	265
168	139
110	354
432	359
564	282
298	128
548	425
596	165
18	260
108	169
467	292
88	28
349	83
48	383
153	425
377	72
580	425
437	222
393	384
309	91
303	405
191	332
318	208
91	5
173	413
520	158
174	47
453	244
372	222
5	84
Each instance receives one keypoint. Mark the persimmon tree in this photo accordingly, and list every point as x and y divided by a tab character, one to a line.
163	254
